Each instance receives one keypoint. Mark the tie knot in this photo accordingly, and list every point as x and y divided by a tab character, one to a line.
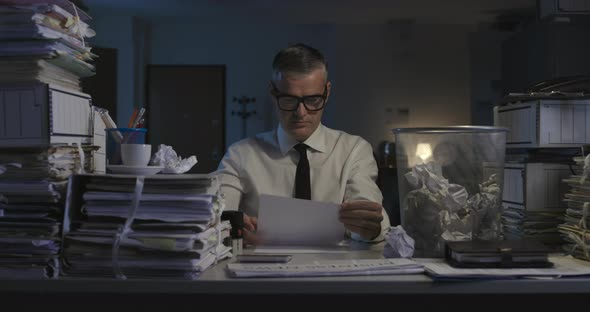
301	148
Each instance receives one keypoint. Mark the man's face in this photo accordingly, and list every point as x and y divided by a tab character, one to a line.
301	123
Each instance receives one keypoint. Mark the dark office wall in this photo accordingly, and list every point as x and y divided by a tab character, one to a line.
116	31
511	60
400	75
103	86
544	51
383	76
374	69
485	54
248	56
185	105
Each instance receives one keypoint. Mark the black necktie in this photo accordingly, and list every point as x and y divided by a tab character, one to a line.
302	180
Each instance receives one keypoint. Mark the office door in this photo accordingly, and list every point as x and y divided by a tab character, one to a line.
185	109
103	86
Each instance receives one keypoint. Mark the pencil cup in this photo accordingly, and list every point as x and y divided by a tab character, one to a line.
115	137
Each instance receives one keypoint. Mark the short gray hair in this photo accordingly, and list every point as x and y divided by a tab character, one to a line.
298	59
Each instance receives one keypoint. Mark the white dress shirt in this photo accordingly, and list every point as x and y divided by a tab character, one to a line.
342	168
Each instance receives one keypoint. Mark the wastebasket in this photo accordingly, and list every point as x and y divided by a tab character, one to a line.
450	184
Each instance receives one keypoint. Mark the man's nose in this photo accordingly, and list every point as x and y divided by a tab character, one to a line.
301	110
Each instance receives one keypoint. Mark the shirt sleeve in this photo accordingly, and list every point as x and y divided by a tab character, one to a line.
228	174
361	185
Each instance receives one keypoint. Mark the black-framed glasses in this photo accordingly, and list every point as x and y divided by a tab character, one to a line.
312	103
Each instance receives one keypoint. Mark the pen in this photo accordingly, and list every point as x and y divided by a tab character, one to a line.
138	118
132	119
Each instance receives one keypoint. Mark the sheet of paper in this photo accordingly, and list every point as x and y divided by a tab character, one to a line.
298	250
284	221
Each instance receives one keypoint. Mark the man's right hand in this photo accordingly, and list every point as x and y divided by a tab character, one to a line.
250	227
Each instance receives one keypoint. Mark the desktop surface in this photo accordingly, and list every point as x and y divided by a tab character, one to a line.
408	290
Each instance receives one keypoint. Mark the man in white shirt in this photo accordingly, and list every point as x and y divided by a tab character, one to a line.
329	165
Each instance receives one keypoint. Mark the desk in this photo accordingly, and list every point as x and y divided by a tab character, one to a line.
412	291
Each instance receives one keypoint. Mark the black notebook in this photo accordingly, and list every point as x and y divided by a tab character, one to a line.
497	254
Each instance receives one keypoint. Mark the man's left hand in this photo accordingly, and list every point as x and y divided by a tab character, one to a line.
362	217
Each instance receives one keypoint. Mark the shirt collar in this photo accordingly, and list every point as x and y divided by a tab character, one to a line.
316	141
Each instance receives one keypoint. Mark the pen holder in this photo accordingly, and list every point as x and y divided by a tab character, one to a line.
117	136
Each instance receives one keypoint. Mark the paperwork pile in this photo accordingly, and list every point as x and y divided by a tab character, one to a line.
577	215
40	41
45	42
144	227
536	225
32	194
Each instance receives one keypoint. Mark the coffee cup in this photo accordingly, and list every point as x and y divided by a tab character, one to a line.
136	154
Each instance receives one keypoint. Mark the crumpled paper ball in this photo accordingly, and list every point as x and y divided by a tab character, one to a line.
172	163
398	244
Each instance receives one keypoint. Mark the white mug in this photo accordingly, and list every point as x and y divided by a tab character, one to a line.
136	154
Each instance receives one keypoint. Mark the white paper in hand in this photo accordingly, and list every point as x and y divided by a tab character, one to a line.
284	221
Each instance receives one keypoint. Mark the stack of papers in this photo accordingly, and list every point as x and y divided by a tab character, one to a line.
328	268
32	193
532	225
577	216
39	42
53	163
44	42
175	233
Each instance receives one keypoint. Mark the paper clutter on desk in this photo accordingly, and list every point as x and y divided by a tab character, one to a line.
172	163
398	244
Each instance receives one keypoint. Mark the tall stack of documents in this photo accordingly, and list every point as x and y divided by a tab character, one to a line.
32	195
577	215
169	228
43	56
44	41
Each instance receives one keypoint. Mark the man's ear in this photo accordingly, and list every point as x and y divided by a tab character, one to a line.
271	98
271	91
328	89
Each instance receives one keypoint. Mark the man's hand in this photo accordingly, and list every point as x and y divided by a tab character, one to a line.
250	227
362	217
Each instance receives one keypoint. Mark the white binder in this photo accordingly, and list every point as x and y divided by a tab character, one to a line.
38	114
545	123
